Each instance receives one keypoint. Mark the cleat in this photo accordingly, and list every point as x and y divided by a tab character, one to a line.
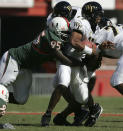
45	120
80	117
60	120
8	126
94	115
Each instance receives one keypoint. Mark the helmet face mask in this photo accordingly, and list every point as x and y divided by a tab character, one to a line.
60	27
4	94
64	35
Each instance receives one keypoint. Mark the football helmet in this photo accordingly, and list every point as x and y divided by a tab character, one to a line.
63	9
4	94
60	27
91	10
81	25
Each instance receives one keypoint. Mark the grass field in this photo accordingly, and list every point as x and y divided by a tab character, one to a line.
29	119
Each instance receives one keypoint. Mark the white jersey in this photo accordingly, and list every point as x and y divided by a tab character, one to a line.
114	34
108	33
117	77
83	26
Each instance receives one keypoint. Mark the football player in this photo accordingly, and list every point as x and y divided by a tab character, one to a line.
79	80
63	9
16	63
93	12
63	82
114	34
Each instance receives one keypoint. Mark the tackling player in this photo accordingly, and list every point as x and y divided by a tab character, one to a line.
94	13
80	77
16	63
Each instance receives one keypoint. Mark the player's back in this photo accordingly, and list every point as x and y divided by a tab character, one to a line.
35	52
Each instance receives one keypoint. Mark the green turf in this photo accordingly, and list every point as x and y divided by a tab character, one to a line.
39	104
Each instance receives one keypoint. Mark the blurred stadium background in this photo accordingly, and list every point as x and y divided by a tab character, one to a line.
22	20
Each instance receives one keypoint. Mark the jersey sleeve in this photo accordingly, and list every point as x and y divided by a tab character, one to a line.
118	41
104	35
100	37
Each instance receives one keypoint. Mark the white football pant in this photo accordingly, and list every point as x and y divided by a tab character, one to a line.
11	75
67	75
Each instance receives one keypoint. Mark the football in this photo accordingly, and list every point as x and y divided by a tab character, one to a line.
88	43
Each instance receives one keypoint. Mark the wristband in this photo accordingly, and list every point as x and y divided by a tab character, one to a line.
87	50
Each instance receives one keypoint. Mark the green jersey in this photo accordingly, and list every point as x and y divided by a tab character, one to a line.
36	52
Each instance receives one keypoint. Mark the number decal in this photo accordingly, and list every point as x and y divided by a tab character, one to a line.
56	45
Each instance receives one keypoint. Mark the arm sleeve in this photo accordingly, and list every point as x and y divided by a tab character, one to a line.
100	37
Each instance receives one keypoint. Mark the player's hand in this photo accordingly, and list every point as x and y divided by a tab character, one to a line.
3	110
106	45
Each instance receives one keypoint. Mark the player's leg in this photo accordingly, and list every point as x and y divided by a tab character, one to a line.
61	118
73	106
94	109
79	91
8	70
83	96
10	75
61	83
92	82
21	87
119	88
117	77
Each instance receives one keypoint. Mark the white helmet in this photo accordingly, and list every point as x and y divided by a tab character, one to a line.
60	26
4	94
82	25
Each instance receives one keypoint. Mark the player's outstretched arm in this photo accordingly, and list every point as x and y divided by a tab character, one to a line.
65	60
